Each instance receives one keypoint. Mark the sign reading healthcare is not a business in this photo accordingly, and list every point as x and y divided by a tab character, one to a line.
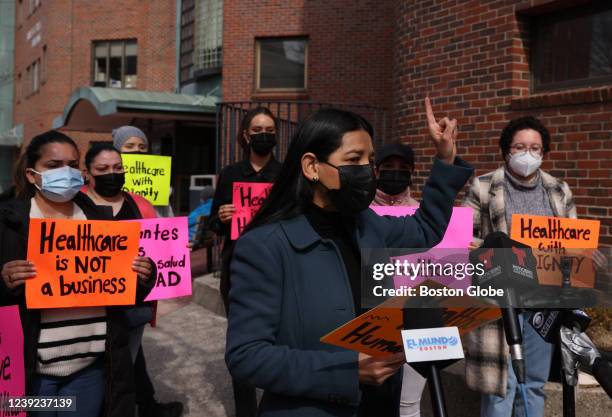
148	176
82	263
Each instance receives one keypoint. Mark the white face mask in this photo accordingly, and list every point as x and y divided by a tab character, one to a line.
525	163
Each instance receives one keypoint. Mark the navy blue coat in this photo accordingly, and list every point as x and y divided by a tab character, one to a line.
290	287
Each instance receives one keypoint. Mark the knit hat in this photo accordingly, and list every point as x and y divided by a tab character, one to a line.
123	133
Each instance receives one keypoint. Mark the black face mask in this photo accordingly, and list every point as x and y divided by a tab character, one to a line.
393	182
357	188
262	143
109	185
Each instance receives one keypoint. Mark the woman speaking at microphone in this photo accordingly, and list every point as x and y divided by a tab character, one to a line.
296	270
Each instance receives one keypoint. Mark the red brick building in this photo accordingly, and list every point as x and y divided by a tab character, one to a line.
483	62
87	67
488	61
54	52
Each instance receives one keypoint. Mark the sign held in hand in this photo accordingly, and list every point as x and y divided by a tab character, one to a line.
248	197
164	240
148	176
553	237
82	263
12	371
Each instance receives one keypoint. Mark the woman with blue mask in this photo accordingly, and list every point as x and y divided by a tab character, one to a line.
296	270
81	352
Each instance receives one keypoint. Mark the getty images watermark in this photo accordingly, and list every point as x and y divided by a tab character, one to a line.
525	277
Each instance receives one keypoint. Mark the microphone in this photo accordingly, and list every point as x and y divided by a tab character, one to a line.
577	347
511	266
415	318
507	264
602	371
547	323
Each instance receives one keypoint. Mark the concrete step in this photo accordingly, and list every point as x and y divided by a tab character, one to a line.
206	294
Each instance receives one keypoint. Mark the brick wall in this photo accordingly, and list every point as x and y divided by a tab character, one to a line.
68	29
350	47
472	58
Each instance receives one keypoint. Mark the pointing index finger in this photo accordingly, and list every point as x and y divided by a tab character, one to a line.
430	115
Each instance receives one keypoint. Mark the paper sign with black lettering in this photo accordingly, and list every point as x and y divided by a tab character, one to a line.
247	198
82	263
12	373
553	237
148	176
434	344
164	240
378	331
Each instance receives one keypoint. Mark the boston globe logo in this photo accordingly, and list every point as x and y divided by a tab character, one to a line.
431	343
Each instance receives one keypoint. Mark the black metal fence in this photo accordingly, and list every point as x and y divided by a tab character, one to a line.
289	115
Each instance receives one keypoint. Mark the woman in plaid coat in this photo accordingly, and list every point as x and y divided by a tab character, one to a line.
519	186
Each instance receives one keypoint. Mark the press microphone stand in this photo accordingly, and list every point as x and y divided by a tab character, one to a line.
569	391
430	369
436	392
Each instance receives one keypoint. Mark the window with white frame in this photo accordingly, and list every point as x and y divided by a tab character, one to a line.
115	64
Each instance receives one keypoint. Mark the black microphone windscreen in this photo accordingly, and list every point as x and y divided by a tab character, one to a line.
423	318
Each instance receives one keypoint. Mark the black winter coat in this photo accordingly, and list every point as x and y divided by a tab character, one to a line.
119	396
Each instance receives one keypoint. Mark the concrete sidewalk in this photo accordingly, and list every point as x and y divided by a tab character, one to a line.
184	355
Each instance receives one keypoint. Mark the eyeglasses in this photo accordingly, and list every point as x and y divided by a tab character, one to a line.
521	147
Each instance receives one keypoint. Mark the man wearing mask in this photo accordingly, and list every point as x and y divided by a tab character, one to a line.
394	168
519	186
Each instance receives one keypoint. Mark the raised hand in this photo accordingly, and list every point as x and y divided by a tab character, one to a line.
443	133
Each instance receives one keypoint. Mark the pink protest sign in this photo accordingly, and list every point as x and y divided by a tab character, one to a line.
12	371
248	197
165	241
453	249
459	232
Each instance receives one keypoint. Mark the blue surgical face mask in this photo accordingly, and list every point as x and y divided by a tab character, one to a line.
60	184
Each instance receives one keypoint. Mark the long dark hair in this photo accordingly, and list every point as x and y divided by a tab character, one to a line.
321	134
246	123
33	152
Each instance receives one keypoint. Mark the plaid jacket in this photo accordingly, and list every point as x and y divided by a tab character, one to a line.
486	349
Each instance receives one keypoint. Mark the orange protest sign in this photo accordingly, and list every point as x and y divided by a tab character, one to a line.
553	237
82	263
378	331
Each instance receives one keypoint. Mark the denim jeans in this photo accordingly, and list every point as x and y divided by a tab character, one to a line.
538	355
87	385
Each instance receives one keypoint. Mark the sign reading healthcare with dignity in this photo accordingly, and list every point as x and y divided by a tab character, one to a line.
82	263
148	176
247	198
554	237
165	240
12	374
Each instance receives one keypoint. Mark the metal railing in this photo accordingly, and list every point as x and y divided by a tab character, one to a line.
289	115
